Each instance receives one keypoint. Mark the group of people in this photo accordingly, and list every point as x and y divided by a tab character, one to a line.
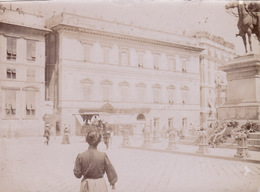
47	134
103	128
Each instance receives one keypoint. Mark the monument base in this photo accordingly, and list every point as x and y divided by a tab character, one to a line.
243	89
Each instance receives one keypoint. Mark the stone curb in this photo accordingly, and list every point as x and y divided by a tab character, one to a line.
196	154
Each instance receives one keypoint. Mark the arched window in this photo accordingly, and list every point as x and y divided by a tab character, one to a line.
140	117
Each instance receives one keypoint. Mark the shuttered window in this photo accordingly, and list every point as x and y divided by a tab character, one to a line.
31	50
30	103
10	102
11	48
11	73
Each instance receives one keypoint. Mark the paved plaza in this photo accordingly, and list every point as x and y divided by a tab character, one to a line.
27	165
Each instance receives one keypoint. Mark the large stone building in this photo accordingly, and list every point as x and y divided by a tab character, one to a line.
22	64
70	67
217	52
130	76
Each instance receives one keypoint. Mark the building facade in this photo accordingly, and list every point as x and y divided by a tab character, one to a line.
217	52
22	82
131	77
70	67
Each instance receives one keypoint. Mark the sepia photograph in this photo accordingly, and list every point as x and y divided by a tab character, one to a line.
129	96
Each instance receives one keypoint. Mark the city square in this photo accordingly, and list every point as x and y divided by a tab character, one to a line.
29	165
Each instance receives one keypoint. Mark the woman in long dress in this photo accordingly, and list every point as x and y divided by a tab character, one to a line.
92	165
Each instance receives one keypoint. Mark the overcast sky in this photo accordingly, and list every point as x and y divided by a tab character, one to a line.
163	15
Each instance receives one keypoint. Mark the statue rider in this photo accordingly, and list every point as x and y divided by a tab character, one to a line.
254	8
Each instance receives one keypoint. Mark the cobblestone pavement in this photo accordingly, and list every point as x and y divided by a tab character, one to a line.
27	165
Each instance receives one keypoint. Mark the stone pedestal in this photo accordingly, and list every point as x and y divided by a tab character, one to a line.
155	137
242	151
147	140
243	89
172	141
203	143
125	137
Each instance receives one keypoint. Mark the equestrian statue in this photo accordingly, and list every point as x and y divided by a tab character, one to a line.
248	14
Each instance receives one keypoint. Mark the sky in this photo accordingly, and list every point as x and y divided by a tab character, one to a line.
162	15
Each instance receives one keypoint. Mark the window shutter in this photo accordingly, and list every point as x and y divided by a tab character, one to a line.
13	46
31	50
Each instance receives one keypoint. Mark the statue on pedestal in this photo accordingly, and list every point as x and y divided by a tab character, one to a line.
248	20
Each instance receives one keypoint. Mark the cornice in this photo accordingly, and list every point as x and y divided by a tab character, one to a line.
214	59
63	28
132	72
22	29
242	62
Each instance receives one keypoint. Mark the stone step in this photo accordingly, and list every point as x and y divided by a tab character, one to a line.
187	142
254	135
254	147
190	138
234	146
254	141
230	140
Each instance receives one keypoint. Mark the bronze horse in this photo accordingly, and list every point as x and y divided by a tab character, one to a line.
247	23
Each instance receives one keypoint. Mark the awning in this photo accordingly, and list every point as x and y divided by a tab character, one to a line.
79	119
115	111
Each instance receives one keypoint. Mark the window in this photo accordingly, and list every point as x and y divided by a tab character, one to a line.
140	92
87	92
171	64
171	94
156	124
31	50
124	91
156	61
10	102
106	54
87	89
140	59
184	124
124	60
11	73
30	103
170	123
30	75
87	51
106	92
157	93
184	65
107	89
11	48
185	94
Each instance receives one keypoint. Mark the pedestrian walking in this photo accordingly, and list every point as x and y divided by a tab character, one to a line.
47	134
65	138
106	136
92	165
